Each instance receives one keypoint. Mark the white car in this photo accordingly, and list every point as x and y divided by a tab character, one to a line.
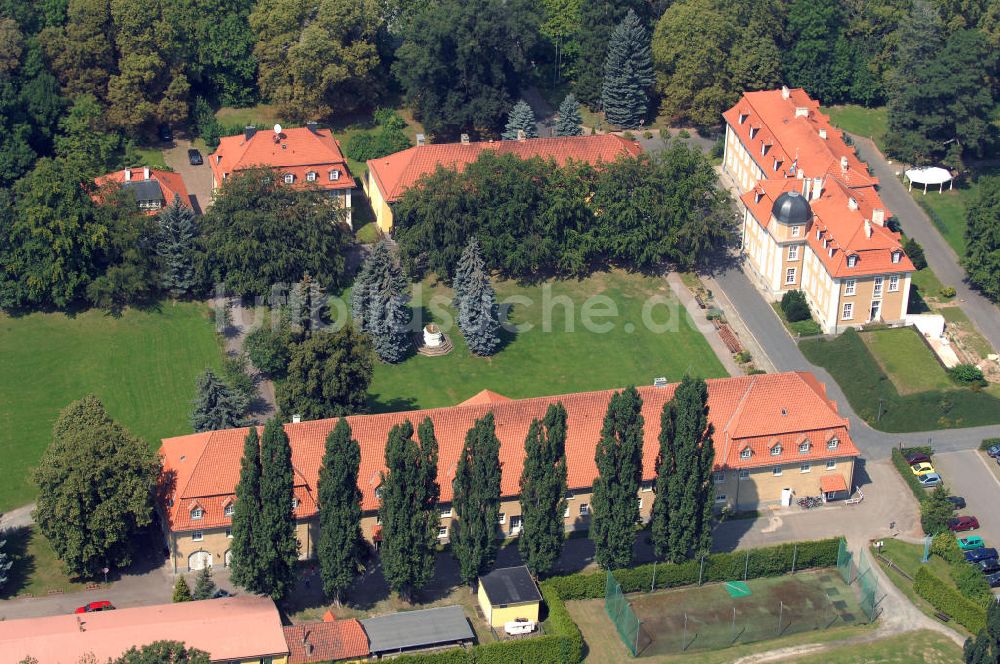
519	626
929	479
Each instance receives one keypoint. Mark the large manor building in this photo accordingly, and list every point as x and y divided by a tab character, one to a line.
812	217
776	436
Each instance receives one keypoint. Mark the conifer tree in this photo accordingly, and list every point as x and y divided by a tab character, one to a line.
628	74
182	591
204	586
408	510
217	406
475	535
277	541
616	489
543	491
520	118
362	290
175	247
247	566
339	512
476	301
5	563
570	121
307	306
380	303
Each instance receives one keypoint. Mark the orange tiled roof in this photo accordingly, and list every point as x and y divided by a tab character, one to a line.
743	409
326	641
832	483
299	151
843	228
397	172
790	131
485	396
171	184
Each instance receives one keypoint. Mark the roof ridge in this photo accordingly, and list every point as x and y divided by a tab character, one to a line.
181	492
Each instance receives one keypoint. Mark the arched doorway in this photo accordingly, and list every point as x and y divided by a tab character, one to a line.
199	560
229	558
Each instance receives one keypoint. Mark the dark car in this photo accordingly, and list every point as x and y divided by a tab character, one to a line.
101	605
194	157
993	579
993	451
163	131
975	555
957	502
989	566
220	593
917	457
960	524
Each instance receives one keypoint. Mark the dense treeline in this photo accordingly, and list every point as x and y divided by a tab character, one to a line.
535	219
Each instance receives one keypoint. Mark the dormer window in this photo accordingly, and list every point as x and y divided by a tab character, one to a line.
311	176
776	450
897	256
852	260
378	491
295	502
289	178
819	233
228	510
826	242
334	175
757	195
743	116
804	447
746	453
197	513
832	443
753	131
764	148
777	164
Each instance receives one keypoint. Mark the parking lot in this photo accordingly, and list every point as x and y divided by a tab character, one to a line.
968	474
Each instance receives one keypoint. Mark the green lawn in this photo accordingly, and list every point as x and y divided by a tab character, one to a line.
261	115
905	357
870	122
548	359
152	157
36	569
857	372
921	646
142	365
947	212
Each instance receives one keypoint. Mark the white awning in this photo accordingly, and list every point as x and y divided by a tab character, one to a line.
928	175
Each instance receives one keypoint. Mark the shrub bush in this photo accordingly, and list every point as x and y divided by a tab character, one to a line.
945	546
967	374
806	328
988	443
899	461
915	252
718	148
743	357
948	600
683	133
795	307
268	350
647	134
947	292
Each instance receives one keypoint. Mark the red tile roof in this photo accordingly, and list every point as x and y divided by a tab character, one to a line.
832	483
485	396
298	151
844	229
397	172
792	129
171	184
743	410
326	642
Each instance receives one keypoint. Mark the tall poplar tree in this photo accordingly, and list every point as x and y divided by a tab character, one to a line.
628	74
277	542
475	535
570	122
520	118
175	247
247	566
339	511
408	511
478	317
543	491
616	489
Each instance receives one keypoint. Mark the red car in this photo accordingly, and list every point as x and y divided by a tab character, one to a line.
101	605
961	523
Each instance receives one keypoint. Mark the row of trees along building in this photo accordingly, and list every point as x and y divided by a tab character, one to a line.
264	529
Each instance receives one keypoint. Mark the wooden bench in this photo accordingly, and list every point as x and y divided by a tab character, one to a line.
729	339
943	617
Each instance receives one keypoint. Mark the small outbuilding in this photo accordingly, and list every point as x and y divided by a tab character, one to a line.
509	594
406	631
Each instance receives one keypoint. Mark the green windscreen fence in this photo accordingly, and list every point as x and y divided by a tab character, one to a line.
858	571
621	614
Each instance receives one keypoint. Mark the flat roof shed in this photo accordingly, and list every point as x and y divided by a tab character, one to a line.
509	594
412	630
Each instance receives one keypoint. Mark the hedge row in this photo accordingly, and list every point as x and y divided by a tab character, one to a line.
916	487
946	599
988	443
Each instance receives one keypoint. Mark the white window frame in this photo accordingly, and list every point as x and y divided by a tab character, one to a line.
793	251
805	468
796	230
197	514
776	450
443	532
229	510
850	286
289	178
744	474
848	311
198	536
877	285
584	509
295	503
897	256
311	176
334	174
776	471
790	275
746	453
719	476
378	492
445	513
830	465
720	498
640	502
832	443
804	447
893	283
646	486
566	512
852	260
502	517
516	524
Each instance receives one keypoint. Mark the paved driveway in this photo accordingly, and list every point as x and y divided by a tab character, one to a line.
967	474
197	179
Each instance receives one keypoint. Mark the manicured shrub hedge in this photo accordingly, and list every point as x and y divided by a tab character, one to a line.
899	461
946	599
988	443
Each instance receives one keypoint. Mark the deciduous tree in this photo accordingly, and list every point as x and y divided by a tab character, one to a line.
328	375
475	534
216	406
95	484
339	543
521	119
163	652
935	511
543	491
5	563
982	236
81	53
628	74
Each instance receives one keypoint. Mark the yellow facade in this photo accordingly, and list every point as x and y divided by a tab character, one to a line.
497	616
383	213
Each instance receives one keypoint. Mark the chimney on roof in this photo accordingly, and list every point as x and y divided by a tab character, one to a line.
843	164
464	138
817	188
806	185
128	175
312	126
802	111
878	216
521	135
145	172
248	132
868	228
822	133
785	92
421	139
852	204
296	418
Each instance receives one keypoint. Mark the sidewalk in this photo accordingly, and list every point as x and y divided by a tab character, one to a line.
702	325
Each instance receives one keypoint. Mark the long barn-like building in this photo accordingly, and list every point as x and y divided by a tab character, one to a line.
774	434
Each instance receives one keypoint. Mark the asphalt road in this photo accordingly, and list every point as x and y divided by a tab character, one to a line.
966	474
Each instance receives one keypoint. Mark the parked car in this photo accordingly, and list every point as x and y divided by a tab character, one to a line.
957	502
921	468
221	592
993	451
962	523
989	566
164	132
993	580
929	480
917	457
971	542
194	157
100	605
976	555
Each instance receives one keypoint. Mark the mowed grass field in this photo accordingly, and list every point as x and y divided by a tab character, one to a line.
923	646
869	122
558	354
142	366
904	356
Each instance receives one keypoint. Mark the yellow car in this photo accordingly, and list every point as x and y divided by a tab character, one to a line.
922	468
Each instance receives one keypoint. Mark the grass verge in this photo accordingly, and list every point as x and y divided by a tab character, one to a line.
920	646
870	122
904	356
36	570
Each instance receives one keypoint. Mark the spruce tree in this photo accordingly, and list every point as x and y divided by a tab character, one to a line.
361	292
247	566
520	118
277	541
175	248
475	535
204	586
217	406
339	512
380	303
616	489
570	121
307	306
478	317
408	509
628	74
543	491
182	591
